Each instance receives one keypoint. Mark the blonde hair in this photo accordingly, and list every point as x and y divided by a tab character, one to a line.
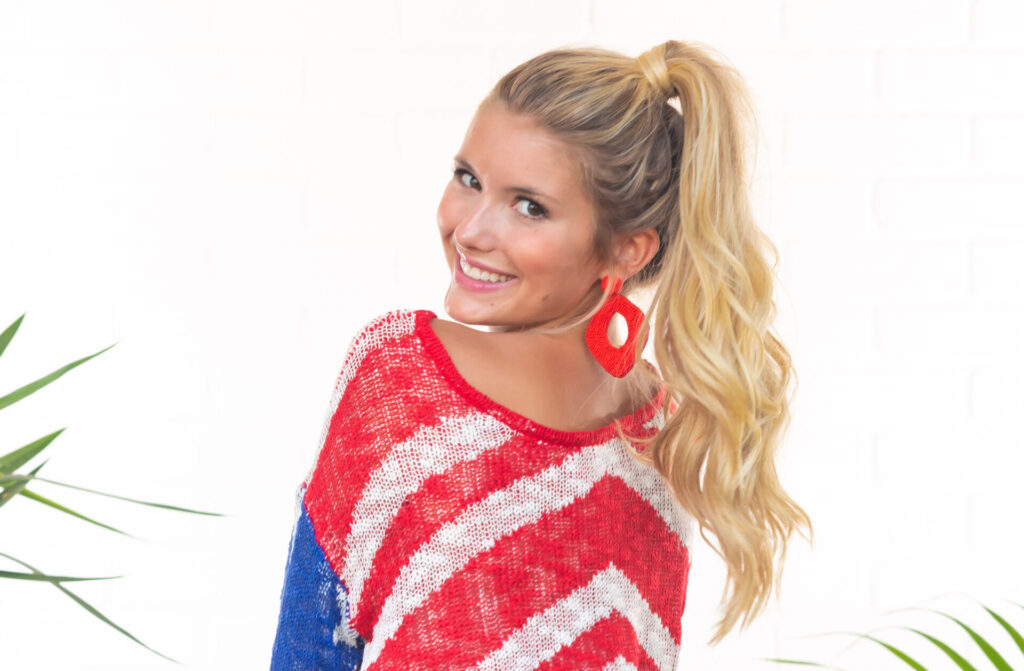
659	141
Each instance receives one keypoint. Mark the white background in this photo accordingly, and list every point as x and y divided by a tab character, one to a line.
229	189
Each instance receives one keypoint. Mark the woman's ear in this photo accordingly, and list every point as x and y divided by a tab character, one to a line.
633	251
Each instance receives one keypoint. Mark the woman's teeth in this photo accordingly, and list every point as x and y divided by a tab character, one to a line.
483	275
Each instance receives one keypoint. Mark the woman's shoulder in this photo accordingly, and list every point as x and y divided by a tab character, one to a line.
395	320
381	331
388	326
479	353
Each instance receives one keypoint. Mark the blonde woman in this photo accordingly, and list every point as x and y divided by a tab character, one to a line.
526	497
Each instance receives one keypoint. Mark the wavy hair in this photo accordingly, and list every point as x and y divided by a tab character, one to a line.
660	143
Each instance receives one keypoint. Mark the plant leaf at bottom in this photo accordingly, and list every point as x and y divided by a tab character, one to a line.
89	608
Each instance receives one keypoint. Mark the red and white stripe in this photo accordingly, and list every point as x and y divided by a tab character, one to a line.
546	633
501	513
463	541
433	450
619	664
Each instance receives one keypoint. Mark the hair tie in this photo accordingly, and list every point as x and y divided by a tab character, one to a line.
653	65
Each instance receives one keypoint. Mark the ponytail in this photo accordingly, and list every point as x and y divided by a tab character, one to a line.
727	372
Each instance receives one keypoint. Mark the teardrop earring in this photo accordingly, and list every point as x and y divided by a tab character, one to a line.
616	360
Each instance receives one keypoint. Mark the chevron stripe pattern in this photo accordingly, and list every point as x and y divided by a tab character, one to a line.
438	529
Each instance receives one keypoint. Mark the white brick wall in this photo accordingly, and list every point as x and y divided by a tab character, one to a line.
230	188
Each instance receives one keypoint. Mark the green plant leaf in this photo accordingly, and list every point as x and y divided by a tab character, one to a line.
81	602
31	387
17	575
990	652
8	334
10	492
1014	634
894	650
15	459
950	652
53	504
4	479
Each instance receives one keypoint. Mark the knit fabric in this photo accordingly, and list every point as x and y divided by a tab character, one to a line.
438	529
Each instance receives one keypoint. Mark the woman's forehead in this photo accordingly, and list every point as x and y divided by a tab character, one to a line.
513	148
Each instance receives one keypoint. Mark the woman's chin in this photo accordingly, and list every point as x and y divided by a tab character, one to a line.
467	310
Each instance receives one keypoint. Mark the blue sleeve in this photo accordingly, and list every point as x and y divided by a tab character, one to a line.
312	631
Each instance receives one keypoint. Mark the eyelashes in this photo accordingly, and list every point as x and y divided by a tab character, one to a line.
457	173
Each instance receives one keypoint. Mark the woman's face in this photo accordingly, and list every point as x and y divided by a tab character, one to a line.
489	218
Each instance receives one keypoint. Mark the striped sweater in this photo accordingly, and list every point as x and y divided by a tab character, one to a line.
438	529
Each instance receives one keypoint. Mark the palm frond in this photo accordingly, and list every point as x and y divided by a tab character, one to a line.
15	459
8	334
4	479
32	387
81	602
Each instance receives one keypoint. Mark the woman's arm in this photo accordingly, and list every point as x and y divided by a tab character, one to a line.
311	631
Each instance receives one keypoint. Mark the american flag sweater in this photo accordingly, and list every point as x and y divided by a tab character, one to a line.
438	529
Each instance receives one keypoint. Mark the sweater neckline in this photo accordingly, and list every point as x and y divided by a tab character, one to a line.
435	348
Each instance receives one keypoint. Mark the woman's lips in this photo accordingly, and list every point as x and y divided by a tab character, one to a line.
464	280
481	266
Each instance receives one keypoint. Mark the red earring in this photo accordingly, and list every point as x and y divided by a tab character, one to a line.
616	360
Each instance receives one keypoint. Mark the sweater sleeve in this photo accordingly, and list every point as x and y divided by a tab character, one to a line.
312	631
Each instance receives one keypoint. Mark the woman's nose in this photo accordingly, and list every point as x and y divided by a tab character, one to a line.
477	230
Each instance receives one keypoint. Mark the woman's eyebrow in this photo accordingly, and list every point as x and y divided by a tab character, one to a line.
517	189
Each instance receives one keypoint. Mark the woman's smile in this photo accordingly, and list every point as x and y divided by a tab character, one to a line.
477	277
471	278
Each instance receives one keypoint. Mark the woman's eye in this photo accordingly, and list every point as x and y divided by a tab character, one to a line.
460	173
538	210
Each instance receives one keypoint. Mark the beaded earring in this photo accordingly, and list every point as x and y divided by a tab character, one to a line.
616	360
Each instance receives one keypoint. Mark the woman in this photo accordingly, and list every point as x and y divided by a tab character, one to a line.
525	497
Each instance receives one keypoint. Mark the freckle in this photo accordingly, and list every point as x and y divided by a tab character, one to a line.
544	297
